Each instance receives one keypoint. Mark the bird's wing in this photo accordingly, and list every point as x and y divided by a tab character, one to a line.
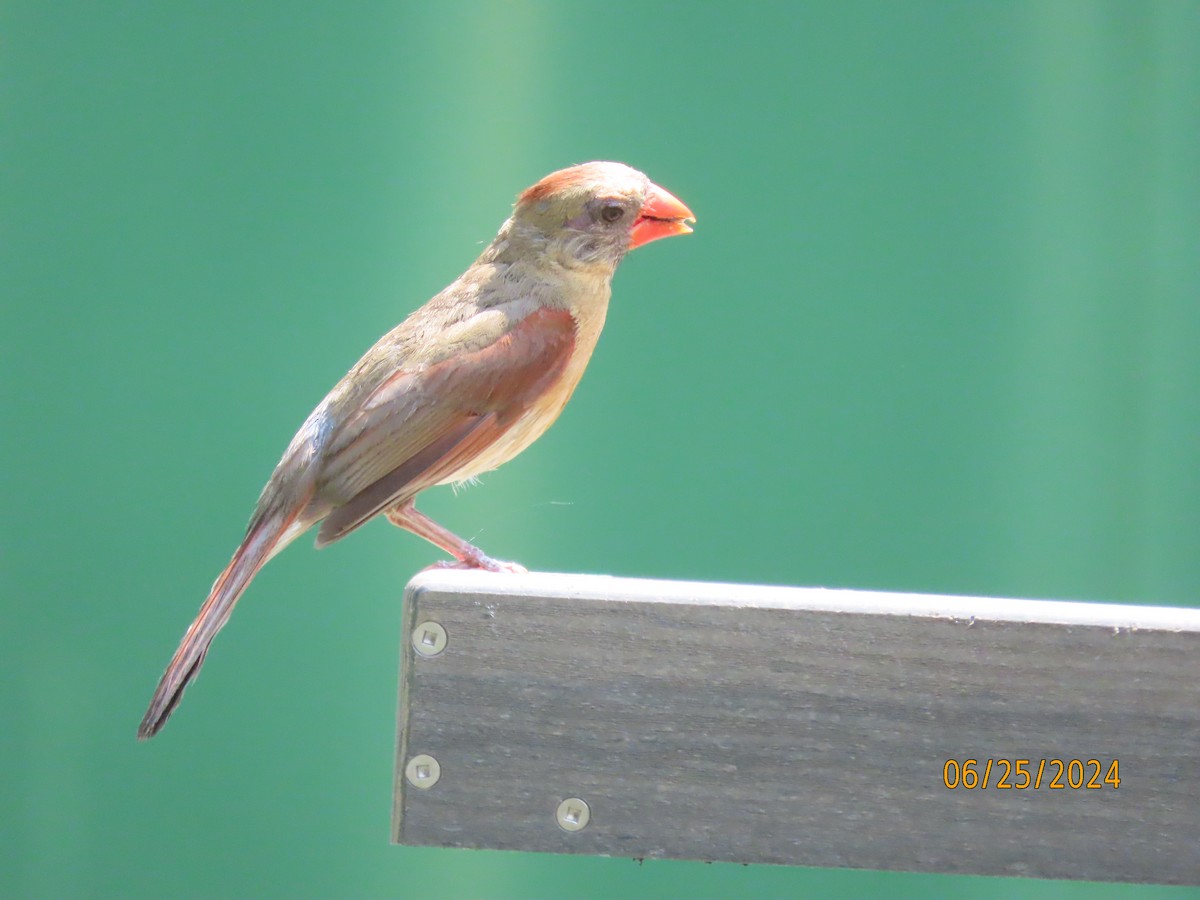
419	426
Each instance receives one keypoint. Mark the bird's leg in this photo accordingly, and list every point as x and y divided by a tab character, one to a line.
408	517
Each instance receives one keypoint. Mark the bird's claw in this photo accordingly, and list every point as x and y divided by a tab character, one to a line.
486	563
513	568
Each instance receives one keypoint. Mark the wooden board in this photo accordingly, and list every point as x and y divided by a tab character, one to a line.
801	726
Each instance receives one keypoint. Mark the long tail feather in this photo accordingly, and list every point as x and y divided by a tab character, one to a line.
266	537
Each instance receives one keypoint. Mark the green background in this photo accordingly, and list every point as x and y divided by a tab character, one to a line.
937	330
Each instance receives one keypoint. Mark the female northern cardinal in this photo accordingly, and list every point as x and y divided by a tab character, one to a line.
464	384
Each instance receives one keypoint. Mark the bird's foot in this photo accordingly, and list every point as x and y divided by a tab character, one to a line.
480	561
502	565
466	555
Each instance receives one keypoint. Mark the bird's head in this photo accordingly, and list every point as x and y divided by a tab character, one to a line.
592	214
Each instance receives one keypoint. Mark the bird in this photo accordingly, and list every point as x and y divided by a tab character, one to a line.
461	386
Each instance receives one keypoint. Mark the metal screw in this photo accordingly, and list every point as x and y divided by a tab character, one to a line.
573	814
423	771
429	639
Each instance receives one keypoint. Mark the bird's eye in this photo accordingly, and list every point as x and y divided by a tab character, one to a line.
612	212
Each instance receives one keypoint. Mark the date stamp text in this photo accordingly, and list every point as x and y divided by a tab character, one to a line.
1031	774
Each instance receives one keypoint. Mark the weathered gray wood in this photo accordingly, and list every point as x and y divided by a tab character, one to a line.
800	726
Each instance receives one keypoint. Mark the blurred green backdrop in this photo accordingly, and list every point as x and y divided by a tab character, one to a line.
937	330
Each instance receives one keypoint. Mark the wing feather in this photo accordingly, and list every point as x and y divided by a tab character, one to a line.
419	427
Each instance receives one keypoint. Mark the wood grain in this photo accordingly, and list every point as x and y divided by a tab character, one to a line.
800	726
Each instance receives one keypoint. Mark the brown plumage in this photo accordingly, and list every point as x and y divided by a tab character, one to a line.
463	385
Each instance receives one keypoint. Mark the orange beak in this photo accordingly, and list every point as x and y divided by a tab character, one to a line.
662	215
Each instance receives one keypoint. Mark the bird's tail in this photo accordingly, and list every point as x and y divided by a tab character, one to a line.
267	535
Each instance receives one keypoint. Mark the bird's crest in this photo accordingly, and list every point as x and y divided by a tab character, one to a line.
564	179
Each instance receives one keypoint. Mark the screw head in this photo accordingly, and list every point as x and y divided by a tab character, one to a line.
423	771
429	639
573	814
